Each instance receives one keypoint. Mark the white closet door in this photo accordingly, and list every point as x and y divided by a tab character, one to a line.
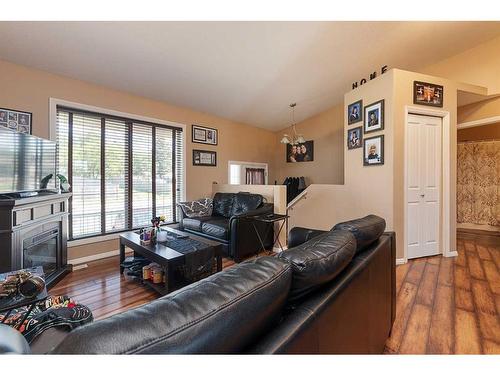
423	184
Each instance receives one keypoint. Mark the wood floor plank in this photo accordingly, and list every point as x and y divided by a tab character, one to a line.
434	260
489	326
427	287
492	275
482	252
491	347
404	304
461	259
446	272
467	338
495	254
475	268
416	270
463	300
401	272
482	297
417	331
462	277
441	330
470	247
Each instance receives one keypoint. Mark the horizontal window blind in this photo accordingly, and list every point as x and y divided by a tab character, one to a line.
122	171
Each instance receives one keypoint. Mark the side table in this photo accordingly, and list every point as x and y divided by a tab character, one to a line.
269	218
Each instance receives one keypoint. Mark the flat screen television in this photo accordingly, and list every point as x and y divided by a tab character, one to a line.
24	161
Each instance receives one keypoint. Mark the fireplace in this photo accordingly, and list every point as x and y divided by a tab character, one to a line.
33	232
43	250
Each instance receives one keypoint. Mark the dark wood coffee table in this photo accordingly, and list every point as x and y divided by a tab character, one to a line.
172	261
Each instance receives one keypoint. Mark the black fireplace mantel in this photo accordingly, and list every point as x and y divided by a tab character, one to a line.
25	218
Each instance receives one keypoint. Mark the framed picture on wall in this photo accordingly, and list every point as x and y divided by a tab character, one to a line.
204	158
355	112
373	150
354	138
16	120
374	117
300	152
204	135
427	94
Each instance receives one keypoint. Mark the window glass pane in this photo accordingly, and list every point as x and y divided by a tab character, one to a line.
62	127
164	177
86	187
116	174
142	194
179	169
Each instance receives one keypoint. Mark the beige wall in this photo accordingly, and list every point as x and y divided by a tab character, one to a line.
479	133
380	189
479	66
326	130
480	110
29	90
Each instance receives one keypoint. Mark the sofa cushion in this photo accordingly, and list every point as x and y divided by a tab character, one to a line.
199	208
216	227
366	230
223	204
244	202
224	313
195	223
319	260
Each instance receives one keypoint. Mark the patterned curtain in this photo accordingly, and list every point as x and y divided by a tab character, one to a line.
478	180
255	176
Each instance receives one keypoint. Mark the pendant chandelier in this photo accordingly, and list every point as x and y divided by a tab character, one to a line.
295	138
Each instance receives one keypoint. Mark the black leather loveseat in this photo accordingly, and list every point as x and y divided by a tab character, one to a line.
231	225
331	292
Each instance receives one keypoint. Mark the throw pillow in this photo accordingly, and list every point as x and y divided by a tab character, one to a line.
199	208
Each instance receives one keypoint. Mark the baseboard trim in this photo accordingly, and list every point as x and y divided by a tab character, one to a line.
401	261
91	258
451	254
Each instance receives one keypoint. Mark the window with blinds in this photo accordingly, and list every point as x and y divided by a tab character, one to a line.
122	171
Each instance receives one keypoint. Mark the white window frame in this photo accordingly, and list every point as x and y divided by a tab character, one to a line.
54	102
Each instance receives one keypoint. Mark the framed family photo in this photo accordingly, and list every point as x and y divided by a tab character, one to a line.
373	150
16	120
300	152
374	117
204	135
354	138
204	158
355	112
427	94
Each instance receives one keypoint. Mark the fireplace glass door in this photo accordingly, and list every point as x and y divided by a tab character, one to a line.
42	250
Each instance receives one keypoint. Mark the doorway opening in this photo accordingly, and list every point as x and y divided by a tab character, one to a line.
247	173
478	177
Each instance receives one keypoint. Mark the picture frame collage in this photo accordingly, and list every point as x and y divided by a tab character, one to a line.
15	120
372	117
207	136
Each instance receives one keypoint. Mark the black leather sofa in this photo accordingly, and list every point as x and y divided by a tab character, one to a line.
332	292
230	225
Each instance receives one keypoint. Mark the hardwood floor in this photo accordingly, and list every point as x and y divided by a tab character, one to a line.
101	287
444	305
450	305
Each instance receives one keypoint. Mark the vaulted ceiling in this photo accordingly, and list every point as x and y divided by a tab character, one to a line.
244	71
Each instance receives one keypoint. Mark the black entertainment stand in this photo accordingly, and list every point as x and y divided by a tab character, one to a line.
34	232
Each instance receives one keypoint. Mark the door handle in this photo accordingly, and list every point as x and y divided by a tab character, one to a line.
422	195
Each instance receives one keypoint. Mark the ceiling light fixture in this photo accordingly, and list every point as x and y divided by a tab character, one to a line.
295	138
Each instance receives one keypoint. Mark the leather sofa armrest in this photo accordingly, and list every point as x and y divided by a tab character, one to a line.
298	235
12	342
180	217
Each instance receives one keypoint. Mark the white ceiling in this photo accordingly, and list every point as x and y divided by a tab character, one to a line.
244	71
